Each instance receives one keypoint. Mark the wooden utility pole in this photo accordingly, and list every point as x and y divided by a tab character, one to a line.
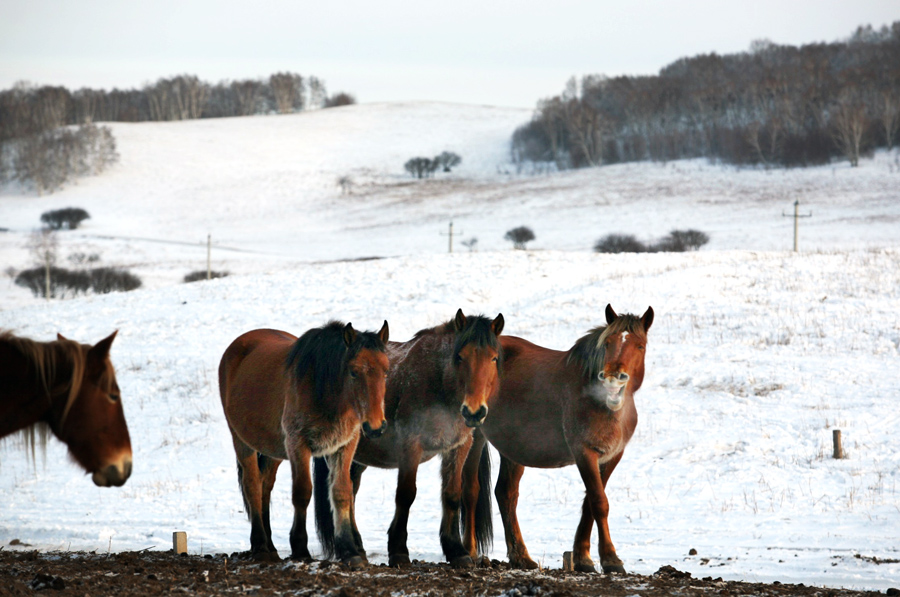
797	215
449	236
209	256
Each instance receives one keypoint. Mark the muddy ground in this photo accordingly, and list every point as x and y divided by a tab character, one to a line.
157	573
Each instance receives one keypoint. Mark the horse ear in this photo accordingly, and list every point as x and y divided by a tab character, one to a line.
60	336
460	320
647	318
384	334
610	314
349	334
100	350
497	324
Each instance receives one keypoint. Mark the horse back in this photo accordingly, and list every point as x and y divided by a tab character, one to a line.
252	386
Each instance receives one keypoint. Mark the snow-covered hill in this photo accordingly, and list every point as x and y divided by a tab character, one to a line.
756	355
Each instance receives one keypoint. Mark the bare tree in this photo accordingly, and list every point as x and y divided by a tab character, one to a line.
849	125
287	90
246	94
317	93
43	246
890	116
346	184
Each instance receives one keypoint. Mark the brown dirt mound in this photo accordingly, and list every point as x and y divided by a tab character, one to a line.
156	573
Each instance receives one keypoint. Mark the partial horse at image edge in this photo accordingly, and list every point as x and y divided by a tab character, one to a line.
70	390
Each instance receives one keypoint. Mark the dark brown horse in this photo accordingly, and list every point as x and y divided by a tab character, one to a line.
555	409
70	389
437	391
290	399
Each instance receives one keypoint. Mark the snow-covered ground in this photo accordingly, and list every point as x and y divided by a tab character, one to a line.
755	356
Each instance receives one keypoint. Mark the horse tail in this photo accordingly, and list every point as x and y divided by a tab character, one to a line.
240	471
323	514
484	523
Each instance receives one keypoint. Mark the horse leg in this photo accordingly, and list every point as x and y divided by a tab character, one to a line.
589	468
398	553
507	492
268	467
341	492
301	493
250	481
356	471
451	494
582	548
471	490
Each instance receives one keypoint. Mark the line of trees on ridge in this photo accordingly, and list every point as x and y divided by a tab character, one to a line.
48	133
776	105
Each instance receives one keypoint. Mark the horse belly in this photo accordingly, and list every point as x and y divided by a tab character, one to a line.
538	448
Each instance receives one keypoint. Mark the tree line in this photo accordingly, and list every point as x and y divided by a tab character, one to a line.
36	147
776	105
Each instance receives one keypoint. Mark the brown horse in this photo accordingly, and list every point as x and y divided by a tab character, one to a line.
290	399
70	389
437	392
555	409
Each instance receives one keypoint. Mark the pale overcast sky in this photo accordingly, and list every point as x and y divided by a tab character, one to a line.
495	52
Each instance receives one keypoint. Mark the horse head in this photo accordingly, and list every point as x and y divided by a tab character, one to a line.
476	364
623	343
92	423
367	371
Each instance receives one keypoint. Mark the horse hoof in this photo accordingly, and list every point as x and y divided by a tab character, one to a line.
265	556
613	569
482	561
400	560
305	558
524	564
585	566
355	563
462	562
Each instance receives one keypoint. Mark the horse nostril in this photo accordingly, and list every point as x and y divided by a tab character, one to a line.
475	417
373	433
623	376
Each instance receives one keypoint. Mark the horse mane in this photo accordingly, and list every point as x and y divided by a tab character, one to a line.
589	351
477	331
47	360
323	353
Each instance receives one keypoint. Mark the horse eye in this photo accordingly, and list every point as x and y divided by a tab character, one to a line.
115	397
494	360
353	375
457	359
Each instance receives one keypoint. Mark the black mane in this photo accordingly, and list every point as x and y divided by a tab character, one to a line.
323	353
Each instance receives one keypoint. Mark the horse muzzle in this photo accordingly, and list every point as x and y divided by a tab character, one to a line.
373	433
474	419
113	475
614	395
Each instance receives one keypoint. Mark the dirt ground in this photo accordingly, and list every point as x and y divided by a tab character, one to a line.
158	573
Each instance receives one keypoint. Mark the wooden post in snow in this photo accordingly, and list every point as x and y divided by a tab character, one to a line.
449	236
209	256
796	217
179	542
836	440
568	564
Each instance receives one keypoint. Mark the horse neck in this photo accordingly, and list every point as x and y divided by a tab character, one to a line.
41	381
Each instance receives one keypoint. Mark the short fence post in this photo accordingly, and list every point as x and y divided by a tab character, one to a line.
568	564
836	440
179	542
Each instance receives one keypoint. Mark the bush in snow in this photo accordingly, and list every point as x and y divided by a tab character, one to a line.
619	243
198	275
69	217
519	236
